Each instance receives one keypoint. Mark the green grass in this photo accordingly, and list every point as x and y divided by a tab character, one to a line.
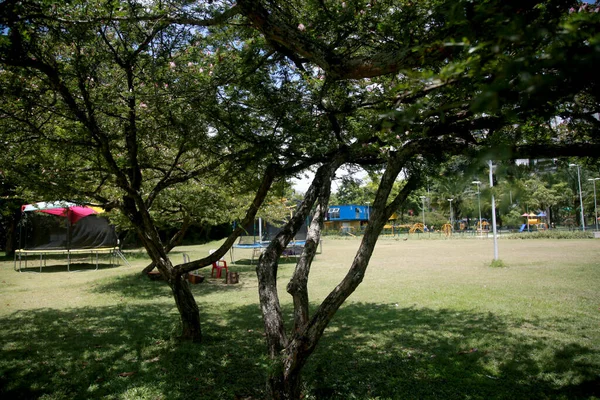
432	320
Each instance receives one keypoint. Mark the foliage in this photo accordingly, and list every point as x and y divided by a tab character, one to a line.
513	218
9	213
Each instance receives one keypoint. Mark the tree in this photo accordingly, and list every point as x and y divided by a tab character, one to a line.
119	105
452	96
107	106
9	214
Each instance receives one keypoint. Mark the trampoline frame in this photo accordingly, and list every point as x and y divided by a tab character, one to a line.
22	256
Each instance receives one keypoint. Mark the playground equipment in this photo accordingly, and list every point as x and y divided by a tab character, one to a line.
447	229
484	225
534	221
539	226
388	230
417	227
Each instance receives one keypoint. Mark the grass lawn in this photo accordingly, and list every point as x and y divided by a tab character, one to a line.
430	320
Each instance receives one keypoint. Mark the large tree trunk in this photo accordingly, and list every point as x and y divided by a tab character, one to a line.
284	386
184	299
284	380
9	246
188	310
290	353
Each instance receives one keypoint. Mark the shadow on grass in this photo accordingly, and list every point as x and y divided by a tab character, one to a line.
390	352
251	263
369	351
125	352
62	267
138	286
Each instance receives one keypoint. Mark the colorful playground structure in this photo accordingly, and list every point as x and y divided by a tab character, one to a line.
535	221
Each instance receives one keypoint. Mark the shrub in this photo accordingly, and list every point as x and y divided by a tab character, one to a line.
497	264
552	234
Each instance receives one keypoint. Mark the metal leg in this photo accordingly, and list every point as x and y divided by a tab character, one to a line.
122	257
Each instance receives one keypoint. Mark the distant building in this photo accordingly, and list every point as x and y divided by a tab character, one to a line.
348	218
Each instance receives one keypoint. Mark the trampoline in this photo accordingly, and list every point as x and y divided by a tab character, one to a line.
256	247
50	229
260	233
22	256
293	249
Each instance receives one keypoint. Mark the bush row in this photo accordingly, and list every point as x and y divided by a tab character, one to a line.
553	234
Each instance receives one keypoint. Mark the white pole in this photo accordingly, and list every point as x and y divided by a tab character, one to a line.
259	230
580	196
479	203
595	202
451	219
423	201
493	213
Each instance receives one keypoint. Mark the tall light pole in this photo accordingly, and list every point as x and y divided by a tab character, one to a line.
423	200
595	202
493	212
580	196
451	219
478	201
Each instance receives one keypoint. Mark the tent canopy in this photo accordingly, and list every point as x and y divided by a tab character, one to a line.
66	209
64	225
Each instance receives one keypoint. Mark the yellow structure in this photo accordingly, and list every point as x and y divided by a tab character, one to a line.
484	225
447	229
417	227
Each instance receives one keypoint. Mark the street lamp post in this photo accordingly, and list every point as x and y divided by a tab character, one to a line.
595	202
478	201
423	201
580	196
451	219
493	212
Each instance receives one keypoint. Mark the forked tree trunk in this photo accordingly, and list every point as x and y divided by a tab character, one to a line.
184	299
290	353
175	241
284	380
